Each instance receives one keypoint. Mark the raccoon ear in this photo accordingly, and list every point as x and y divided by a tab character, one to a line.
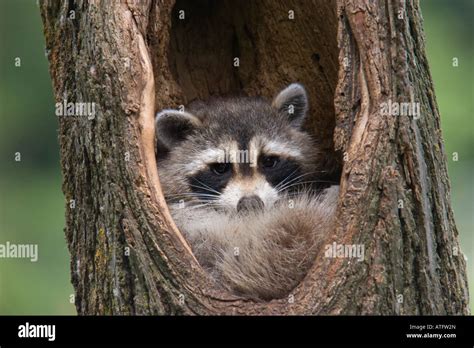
293	102
173	126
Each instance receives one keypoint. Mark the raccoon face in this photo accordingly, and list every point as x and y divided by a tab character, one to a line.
239	155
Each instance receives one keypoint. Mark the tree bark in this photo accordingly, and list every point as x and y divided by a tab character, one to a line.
132	58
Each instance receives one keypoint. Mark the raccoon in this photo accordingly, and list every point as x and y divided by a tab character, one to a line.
242	181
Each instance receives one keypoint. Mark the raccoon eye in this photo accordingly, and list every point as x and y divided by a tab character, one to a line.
270	161
220	168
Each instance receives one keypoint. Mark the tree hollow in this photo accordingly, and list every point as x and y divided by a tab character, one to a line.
133	58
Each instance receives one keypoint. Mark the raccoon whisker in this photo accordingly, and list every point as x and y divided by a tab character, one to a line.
205	207
279	186
184	194
191	194
196	206
199	208
203	188
300	176
212	201
288	183
306	182
300	192
205	193
315	181
201	205
191	204
298	183
203	197
285	179
207	188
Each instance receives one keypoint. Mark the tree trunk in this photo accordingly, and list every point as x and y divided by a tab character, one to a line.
132	58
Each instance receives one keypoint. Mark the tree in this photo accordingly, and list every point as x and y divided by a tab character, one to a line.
357	59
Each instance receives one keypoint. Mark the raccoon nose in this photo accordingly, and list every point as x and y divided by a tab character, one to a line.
250	203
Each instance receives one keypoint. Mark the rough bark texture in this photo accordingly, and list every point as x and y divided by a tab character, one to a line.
132	58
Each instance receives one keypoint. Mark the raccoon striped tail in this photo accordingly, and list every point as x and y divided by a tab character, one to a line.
261	255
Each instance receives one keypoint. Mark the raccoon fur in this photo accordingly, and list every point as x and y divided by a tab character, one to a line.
243	184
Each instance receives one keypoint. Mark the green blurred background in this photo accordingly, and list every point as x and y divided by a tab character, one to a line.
31	201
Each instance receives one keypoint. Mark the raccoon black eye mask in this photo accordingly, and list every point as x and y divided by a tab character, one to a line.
240	177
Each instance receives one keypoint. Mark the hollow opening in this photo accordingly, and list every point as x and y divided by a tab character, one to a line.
255	48
252	48
229	47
